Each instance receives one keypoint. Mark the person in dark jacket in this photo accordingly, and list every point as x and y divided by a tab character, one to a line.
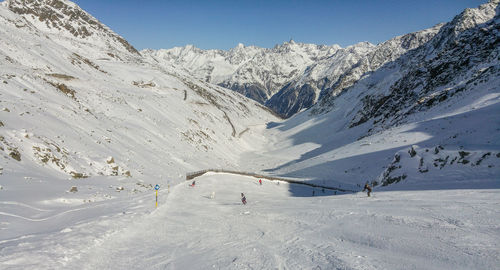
368	189
243	198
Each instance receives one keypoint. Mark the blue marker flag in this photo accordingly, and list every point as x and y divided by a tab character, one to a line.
157	187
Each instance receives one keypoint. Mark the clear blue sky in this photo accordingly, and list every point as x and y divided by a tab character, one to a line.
212	24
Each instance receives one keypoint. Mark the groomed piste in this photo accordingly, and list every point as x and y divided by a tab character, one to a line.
390	230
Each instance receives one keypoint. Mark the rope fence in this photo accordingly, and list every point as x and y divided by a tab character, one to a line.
192	175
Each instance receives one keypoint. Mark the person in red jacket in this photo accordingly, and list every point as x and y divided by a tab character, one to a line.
260	182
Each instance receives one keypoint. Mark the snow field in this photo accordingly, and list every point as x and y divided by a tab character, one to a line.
454	229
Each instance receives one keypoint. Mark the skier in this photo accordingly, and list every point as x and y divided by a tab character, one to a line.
192	184
260	182
243	199
368	189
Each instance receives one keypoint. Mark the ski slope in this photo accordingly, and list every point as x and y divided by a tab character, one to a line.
453	229
88	127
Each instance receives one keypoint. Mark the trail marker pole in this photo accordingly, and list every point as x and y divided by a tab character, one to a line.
156	189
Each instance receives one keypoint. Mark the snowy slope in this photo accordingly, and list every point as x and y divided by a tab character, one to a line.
65	20
85	112
303	91
88	127
209	65
276	230
73	94
443	95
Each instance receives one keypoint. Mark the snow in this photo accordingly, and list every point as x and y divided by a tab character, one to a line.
131	124
435	224
282	226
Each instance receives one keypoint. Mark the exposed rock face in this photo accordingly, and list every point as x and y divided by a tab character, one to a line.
65	16
371	61
463	54
423	162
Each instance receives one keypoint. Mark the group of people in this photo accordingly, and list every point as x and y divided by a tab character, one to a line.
367	187
243	198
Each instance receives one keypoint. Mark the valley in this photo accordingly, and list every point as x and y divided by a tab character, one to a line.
89	125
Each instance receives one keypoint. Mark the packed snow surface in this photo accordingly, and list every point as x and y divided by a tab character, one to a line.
283	226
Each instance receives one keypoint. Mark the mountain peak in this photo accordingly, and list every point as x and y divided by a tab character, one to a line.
58	14
471	17
63	16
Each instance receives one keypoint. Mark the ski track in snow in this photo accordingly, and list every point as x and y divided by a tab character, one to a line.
392	230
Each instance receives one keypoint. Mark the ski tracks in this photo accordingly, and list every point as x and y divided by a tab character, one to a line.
398	230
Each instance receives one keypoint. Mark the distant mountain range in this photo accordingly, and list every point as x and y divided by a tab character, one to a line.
292	76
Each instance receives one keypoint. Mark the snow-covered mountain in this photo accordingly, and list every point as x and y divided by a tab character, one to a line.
79	101
429	115
258	73
88	126
65	20
459	57
292	76
334	74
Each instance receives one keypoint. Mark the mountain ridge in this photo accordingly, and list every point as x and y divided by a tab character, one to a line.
250	70
63	16
301	83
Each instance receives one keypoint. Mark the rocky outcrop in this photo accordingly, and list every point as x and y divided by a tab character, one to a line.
65	16
461	55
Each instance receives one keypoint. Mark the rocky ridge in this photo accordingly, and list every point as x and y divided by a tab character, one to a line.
258	73
63	17
463	54
292	76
